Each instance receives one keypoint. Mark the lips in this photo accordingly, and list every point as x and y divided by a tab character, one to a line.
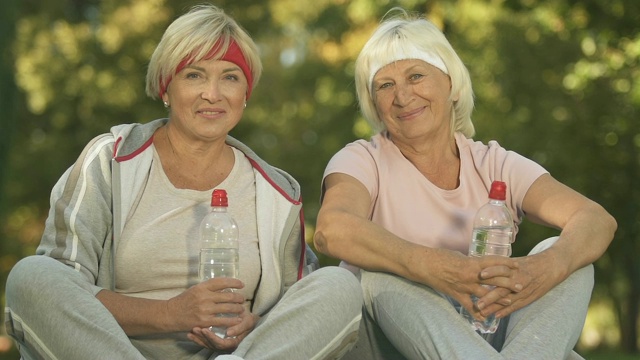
210	113
411	114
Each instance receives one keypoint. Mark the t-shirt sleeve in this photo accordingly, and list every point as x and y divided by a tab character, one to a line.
517	171
356	160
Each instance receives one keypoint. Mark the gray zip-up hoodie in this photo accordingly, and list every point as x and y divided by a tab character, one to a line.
95	197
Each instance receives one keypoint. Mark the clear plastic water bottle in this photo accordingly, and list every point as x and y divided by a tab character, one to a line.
493	232
219	246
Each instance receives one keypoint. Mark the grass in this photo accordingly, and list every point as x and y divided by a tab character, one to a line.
609	355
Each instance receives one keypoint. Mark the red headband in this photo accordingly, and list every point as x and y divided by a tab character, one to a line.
233	54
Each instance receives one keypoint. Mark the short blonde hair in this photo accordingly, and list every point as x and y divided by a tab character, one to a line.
191	38
401	37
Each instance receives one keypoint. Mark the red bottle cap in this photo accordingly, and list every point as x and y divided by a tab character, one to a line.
219	198
498	191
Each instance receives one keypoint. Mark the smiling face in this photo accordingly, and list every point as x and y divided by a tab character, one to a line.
207	99
412	99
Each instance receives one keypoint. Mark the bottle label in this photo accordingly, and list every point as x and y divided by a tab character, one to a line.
491	241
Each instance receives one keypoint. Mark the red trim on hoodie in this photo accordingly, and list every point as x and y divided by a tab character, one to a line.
303	248
282	192
115	145
303	243
133	154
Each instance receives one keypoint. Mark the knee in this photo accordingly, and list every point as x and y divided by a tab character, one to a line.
31	277
344	286
340	279
33	267
584	277
26	270
380	289
543	245
20	280
375	284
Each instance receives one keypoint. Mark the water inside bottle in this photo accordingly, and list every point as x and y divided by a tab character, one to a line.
491	241
218	263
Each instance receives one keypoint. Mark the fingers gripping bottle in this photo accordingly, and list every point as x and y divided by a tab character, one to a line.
218	246
493	232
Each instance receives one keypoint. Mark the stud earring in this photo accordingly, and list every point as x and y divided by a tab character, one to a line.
166	104
245	105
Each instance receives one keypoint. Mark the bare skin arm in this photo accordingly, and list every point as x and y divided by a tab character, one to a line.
196	307
343	231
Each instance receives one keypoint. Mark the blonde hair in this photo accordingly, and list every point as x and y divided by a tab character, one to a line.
402	37
190	38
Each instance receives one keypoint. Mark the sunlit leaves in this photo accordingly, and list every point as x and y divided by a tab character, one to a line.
130	20
362	11
42	53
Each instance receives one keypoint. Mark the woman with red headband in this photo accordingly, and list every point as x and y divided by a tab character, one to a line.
116	272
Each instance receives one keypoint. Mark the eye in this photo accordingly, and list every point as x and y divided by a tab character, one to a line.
415	77
385	85
233	77
192	75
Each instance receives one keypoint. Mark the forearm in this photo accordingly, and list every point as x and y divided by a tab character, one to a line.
364	244
584	238
136	316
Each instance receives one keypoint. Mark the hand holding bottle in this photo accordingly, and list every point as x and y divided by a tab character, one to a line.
200	304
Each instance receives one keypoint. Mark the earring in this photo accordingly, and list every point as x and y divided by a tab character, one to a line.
245	105
166	104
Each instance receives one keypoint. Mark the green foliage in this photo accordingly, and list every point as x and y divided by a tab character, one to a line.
555	80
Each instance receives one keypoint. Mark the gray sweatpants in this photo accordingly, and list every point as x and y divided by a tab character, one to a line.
52	314
403	319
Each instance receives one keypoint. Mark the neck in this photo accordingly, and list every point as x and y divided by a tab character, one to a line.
438	160
191	165
434	150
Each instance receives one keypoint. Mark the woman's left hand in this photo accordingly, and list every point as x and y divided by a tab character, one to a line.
536	273
235	334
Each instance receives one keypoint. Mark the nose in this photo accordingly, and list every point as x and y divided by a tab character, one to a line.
211	91
403	94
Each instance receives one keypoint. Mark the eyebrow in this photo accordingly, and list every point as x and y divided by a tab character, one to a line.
422	66
407	70
232	68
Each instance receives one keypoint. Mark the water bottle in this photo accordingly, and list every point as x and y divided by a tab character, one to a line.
493	232
218	246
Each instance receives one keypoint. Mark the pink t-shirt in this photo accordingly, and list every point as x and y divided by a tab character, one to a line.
404	202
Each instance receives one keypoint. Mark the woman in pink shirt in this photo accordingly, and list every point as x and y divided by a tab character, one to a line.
398	211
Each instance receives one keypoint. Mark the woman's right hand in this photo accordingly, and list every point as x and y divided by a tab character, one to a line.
199	305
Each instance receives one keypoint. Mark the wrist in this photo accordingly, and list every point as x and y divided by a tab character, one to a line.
166	322
421	264
553	259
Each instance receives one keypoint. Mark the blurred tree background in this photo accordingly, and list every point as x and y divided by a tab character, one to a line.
555	80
